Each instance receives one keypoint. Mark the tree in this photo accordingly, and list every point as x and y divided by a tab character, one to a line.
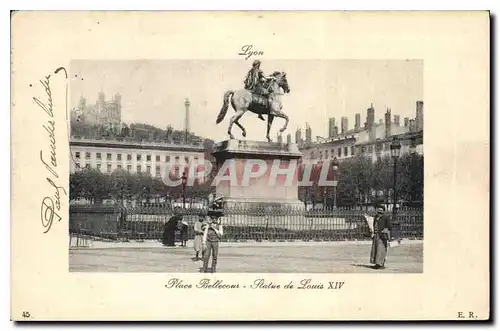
76	186
410	178
382	179
120	182
347	187
144	186
96	185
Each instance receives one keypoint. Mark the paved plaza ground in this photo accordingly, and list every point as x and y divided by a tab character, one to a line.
290	257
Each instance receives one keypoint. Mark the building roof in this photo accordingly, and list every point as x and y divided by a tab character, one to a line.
128	144
418	135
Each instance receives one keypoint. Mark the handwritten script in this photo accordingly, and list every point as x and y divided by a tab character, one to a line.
51	204
256	284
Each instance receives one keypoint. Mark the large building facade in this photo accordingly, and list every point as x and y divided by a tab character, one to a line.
134	157
372	140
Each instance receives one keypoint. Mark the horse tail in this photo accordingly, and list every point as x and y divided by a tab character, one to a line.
225	106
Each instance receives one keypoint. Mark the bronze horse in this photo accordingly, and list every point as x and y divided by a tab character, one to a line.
242	101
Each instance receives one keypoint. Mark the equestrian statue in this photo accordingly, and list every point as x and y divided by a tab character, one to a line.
260	96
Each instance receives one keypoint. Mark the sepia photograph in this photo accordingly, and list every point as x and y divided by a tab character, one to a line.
273	161
261	166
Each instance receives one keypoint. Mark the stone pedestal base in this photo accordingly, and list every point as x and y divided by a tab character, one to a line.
239	158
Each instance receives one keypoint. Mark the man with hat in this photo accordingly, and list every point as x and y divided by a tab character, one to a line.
381	235
212	235
255	78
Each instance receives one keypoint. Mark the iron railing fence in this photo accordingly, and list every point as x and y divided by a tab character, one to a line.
241	223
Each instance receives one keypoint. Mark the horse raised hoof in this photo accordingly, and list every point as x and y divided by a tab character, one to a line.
231	136
244	134
282	129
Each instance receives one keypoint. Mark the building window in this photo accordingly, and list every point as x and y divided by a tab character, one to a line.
129	157
370	149
196	160
148	169
108	168
98	156
98	167
87	166
312	155
138	157
186	159
138	168
326	154
119	166
157	170
87	155
352	150
167	158
320	155
119	156
148	157
129	168
108	156
157	158
363	149
339	152
177	160
77	155
346	151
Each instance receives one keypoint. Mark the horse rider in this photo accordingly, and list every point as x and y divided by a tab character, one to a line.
254	80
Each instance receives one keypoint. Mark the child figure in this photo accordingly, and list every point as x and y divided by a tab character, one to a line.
198	237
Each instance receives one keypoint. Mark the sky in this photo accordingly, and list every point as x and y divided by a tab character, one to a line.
154	91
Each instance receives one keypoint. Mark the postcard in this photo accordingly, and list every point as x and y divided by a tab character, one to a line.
250	166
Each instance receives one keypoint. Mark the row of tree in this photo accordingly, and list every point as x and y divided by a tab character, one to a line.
360	181
95	186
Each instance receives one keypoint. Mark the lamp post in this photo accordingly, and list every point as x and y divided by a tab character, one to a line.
335	182
395	150
324	192
184	180
413	151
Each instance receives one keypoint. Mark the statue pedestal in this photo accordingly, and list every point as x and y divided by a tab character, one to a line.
272	187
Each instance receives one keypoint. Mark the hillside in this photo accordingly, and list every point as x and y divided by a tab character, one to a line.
135	132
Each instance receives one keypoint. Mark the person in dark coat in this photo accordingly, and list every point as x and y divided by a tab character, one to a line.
381	235
170	227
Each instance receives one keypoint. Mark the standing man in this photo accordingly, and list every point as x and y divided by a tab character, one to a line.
381	235
211	237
